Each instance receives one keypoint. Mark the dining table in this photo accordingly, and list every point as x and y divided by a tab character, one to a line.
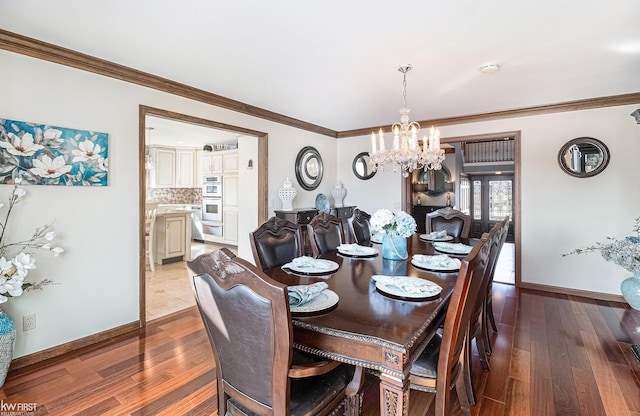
369	327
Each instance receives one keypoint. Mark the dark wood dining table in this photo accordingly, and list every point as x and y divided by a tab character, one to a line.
368	328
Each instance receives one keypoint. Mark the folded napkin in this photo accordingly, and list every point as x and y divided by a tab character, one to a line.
438	234
440	260
306	262
353	248
302	294
459	247
408	285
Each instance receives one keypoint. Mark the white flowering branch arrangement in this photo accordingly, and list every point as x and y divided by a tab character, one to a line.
14	271
400	223
624	253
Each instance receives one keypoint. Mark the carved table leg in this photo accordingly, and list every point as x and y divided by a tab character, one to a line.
394	396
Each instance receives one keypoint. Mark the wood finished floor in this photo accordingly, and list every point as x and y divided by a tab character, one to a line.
554	355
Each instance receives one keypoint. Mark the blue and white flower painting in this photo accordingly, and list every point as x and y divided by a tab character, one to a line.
40	154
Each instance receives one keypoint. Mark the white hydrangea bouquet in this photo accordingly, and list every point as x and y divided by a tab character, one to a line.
400	223
17	258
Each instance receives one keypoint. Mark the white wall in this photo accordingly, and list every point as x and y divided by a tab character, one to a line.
559	212
98	274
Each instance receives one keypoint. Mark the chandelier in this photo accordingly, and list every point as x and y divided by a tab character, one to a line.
407	154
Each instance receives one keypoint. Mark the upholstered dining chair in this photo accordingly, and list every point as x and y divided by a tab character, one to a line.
488	311
276	242
478	323
149	232
360	228
325	233
454	222
247	318
439	368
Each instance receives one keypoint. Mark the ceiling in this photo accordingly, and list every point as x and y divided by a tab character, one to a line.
334	63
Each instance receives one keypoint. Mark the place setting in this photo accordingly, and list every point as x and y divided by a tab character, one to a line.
313	298
356	250
406	287
438	263
452	248
436	236
309	266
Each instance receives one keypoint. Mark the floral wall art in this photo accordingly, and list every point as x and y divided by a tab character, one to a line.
41	154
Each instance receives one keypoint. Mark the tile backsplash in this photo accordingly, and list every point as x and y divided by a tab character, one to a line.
187	196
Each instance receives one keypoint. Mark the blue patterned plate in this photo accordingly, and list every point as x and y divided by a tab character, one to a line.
322	203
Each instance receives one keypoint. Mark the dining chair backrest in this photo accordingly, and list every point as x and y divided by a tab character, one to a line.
360	227
456	324
454	222
276	242
325	233
248	322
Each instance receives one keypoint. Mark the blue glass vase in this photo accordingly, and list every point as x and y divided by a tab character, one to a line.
394	247
7	343
630	288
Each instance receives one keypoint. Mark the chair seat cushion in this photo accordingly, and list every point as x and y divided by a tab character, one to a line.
310	395
426	365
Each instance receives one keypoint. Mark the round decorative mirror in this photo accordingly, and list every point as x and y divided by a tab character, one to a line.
583	157
362	166
434	180
309	168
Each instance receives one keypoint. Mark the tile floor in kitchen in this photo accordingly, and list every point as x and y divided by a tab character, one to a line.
168	287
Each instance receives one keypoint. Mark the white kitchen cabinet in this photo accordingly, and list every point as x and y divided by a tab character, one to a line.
230	221
230	162
186	168
171	230
229	191
209	163
163	173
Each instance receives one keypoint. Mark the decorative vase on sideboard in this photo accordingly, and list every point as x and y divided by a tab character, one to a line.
394	247
7	343
287	194
630	288
338	192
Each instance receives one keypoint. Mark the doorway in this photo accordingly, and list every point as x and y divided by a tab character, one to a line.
254	205
491	201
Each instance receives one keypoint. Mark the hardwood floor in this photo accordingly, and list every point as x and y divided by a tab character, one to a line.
554	355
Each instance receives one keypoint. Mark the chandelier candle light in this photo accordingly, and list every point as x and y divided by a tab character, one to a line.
407	154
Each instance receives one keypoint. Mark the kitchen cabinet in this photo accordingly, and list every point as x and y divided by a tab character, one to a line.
172	167
185	168
216	163
163	174
230	208
171	237
230	221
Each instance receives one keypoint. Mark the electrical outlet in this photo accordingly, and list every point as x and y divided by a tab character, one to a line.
29	322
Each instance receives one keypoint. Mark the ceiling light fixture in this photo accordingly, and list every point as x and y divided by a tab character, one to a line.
407	154
489	68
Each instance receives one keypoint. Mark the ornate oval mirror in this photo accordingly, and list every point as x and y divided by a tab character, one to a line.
434	181
309	168
583	157
362	166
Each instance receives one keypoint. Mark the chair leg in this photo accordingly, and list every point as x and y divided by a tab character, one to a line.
485	331
463	396
353	401
467	390
482	352
489	307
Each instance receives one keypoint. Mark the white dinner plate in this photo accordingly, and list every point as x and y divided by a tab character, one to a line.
457	248
327	266
358	251
429	238
376	239
325	300
435	267
430	289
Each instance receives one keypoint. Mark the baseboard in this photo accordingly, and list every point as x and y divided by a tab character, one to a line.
46	357
573	292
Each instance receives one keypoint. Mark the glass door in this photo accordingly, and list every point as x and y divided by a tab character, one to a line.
491	201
